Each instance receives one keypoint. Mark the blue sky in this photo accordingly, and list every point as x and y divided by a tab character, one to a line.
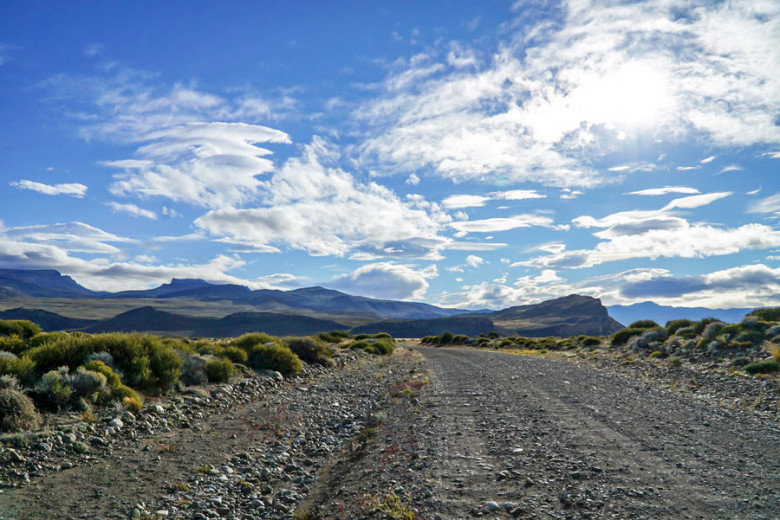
468	154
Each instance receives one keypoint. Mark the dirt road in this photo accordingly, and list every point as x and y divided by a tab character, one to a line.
553	439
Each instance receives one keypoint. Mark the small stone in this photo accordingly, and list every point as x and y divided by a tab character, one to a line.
116	423
15	456
492	506
44	447
66	465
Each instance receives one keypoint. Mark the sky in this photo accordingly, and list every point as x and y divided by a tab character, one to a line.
460	153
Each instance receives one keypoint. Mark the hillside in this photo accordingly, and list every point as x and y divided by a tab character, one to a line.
148	319
567	316
470	325
48	321
268	322
661	314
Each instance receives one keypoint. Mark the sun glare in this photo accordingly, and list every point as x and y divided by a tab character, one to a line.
633	95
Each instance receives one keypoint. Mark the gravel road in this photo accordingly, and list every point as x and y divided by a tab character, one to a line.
529	437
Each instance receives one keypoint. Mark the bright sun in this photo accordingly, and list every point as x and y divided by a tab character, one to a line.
633	95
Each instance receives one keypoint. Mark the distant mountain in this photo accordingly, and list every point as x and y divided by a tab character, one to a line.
268	322
149	319
568	316
42	283
48	321
468	324
627	314
189	288
328	300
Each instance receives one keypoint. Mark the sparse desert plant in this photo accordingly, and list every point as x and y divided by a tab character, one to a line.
66	350
133	404
310	350
673	326
54	389
273	356
234	354
763	367
622	336
22	328
643	324
219	370
104	357
13	344
334	336
589	341
17	411
9	382
699	326
712	331
675	362
21	367
384	346
773	350
193	369
121	392
252	339
86	382
112	378
44	337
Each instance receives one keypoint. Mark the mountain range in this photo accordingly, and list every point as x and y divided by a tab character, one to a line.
307	310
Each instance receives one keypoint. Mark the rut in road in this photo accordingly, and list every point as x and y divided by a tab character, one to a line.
549	439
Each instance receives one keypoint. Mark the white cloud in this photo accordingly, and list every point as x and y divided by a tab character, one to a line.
556	97
770	204
464	201
517	195
687	168
633	167
386	280
323	210
132	210
665	190
474	261
491	225
72	189
731	168
413	180
708	160
69	237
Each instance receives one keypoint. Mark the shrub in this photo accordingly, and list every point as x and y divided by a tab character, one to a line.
590	341
383	335
382	346
235	354
219	370
310	350
699	326
122	392
104	357
9	382
359	344
623	335
675	362
445	338
64	350
132	403
643	324
166	368
766	314
86	382
247	341
712	330
44	337
277	357
334	336
112	378
762	367
17	411
54	389
22	328
673	326
23	368
193	369
13	344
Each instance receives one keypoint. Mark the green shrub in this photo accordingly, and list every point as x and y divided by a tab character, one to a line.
762	367
65	350
22	367
699	326
53	389
656	354
310	350
643	324
383	335
382	346
334	336
273	356
445	338
112	378
622	336
766	314
673	326
675	362
220	370
235	354
590	341
248	341
122	391
86	382
13	344
17	412
22	328
44	337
